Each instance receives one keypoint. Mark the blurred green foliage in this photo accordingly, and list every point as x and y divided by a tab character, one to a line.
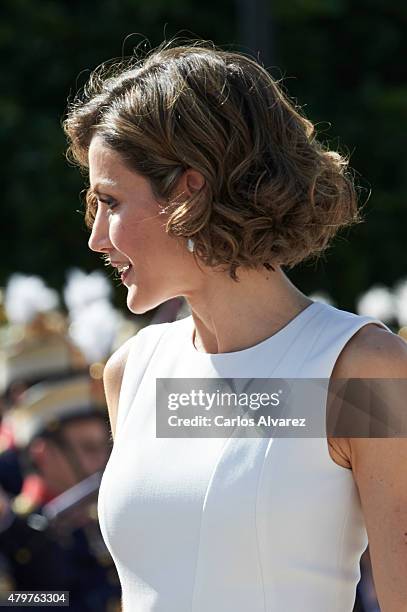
342	60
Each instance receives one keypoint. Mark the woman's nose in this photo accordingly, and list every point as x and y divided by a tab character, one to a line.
99	239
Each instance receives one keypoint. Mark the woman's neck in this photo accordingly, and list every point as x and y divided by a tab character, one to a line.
230	316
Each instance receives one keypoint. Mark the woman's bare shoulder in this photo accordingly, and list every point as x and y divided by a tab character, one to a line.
373	352
112	379
378	462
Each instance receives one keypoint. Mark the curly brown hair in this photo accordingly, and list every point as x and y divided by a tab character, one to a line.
272	192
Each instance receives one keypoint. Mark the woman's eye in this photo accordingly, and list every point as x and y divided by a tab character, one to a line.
110	203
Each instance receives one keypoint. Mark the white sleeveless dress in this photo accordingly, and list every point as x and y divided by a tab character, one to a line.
231	524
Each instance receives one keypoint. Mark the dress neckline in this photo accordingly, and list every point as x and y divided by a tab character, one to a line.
288	328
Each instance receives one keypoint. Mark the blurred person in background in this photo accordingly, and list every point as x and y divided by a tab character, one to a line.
49	535
34	347
206	181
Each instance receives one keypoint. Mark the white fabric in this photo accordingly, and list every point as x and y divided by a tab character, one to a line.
238	524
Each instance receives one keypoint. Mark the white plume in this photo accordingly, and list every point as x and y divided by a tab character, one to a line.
94	328
400	298
322	296
377	302
82	289
26	296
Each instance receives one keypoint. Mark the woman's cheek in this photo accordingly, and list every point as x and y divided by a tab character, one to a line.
118	230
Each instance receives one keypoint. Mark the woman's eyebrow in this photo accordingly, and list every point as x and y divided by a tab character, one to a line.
97	192
101	184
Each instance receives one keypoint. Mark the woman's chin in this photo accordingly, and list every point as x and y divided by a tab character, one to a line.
136	305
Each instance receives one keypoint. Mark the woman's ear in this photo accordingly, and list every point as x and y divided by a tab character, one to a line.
194	180
191	181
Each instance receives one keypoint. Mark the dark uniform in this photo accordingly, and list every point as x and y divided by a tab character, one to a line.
11	474
39	556
53	542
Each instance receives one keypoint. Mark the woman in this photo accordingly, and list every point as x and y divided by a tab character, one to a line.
205	181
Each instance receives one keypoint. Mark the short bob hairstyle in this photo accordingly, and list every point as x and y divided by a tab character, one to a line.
272	192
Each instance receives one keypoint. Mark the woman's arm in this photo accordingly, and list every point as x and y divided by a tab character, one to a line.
112	380
379	465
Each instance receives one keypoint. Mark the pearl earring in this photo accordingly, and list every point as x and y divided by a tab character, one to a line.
190	245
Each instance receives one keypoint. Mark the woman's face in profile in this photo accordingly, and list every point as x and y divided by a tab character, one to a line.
130	230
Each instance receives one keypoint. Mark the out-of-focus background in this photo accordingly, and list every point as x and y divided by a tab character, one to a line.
342	61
